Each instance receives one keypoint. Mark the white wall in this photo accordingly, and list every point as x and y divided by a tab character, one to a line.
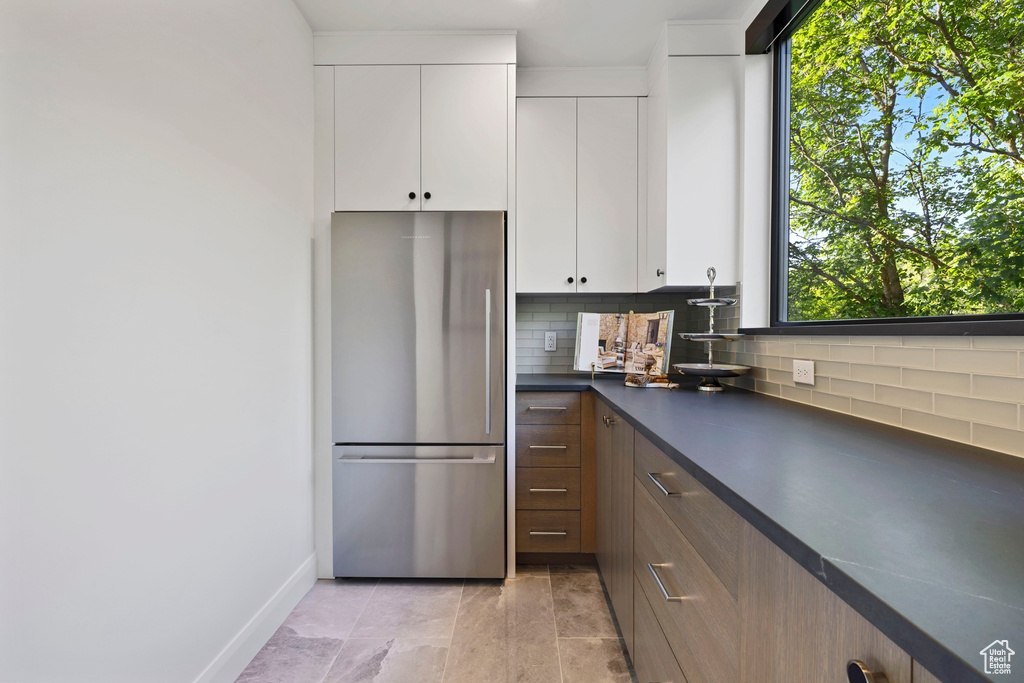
155	216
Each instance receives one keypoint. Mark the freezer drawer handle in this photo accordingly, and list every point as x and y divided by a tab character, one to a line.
548	533
546	408
654	477
549	490
455	460
487	356
661	586
561	448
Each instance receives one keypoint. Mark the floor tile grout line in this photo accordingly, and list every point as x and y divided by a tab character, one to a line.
348	637
451	638
554	623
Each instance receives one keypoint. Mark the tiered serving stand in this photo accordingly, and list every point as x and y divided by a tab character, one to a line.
711	371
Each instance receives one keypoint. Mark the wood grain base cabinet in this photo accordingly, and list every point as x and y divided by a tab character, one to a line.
723	603
614	456
796	629
652	655
555	470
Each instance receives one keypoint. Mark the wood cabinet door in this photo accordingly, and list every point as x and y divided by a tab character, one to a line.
606	194
546	194
621	466
464	112
376	138
603	462
796	629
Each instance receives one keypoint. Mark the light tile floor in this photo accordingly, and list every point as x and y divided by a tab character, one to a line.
547	625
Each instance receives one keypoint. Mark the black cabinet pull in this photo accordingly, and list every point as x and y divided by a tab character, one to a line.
426	195
583	280
412	195
660	272
570	280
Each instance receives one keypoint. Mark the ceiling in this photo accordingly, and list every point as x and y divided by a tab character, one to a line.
580	33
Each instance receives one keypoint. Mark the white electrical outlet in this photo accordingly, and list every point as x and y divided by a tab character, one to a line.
550	343
803	371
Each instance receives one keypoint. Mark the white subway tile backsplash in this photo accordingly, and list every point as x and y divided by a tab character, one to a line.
969	389
860	390
827	368
794	393
830	401
904	398
880	341
978	361
876	411
906	357
945	427
999	439
1009	389
875	374
811	351
1012	343
941	382
977	410
852	353
938	342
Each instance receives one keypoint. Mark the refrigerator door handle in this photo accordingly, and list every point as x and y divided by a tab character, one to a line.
455	460
487	360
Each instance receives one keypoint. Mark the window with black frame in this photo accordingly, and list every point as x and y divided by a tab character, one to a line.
900	162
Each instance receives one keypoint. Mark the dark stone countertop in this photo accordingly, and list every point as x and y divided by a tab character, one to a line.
924	537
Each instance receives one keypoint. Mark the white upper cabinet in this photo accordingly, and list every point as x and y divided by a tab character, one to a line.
693	172
464	114
376	138
411	138
576	194
546	194
606	189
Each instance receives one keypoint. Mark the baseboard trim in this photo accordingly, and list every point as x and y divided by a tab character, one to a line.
556	558
236	655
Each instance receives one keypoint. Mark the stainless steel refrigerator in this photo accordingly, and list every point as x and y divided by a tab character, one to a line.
418	365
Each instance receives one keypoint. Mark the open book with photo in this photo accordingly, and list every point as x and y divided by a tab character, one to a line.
631	343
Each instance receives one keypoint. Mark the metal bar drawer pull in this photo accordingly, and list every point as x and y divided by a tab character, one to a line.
654	477
547	533
548	447
547	408
549	490
657	579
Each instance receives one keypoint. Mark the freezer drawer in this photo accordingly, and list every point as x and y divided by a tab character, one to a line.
419	511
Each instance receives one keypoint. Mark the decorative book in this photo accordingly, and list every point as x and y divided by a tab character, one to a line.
633	343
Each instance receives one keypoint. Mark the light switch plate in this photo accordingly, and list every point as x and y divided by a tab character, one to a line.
803	372
550	343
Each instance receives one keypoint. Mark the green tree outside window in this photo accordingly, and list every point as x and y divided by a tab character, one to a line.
907	160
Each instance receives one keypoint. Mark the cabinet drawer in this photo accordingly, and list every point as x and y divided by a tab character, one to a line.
700	618
547	488
547	531
711	526
652	655
547	446
547	408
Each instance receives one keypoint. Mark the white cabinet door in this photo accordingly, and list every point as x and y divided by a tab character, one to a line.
376	138
703	172
654	276
464	113
546	194
606	187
